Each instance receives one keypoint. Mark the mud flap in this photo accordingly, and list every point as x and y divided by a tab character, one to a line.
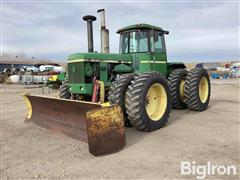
101	127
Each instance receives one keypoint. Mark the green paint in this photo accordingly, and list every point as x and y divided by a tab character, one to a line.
143	50
174	65
103	72
61	77
122	68
85	89
76	72
88	70
139	26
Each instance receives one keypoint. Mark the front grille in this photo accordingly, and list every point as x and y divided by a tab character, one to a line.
76	73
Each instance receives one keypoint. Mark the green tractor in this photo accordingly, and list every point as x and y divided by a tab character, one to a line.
139	80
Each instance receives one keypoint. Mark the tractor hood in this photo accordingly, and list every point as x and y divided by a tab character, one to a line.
107	57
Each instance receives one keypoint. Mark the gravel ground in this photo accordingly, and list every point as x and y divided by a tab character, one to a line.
29	152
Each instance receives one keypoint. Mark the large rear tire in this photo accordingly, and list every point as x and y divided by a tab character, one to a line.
197	89
148	101
117	93
64	91
176	82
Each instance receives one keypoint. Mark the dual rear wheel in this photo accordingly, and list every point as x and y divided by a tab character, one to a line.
145	100
190	89
197	89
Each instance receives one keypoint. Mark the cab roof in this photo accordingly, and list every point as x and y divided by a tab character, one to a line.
139	26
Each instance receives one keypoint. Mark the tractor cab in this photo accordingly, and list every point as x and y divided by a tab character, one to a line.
142	38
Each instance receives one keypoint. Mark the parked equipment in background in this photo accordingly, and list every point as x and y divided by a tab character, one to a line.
45	74
34	79
15	71
215	76
3	77
14	79
105	91
58	69
55	81
31	69
7	71
199	65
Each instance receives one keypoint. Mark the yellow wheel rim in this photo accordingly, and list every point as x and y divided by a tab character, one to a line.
203	89
156	102
181	89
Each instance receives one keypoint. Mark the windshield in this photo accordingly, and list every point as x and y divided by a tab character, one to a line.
138	42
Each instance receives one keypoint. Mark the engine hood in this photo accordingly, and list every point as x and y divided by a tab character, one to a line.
99	56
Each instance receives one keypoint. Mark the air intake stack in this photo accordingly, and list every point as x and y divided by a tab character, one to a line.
90	19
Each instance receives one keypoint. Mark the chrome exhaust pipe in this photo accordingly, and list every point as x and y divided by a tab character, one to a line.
104	32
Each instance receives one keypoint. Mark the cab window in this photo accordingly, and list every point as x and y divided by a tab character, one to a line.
123	45
138	41
158	42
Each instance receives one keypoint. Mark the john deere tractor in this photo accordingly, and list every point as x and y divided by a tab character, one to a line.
137	87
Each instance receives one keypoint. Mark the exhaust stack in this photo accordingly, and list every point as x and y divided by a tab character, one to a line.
104	33
89	20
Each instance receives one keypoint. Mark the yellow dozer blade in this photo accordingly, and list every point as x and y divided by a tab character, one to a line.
102	127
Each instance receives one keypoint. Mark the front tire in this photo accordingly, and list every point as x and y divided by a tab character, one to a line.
197	89
148	101
117	94
64	91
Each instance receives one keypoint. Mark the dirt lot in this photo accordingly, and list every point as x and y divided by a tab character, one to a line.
30	152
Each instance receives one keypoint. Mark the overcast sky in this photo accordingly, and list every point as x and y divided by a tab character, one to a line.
201	31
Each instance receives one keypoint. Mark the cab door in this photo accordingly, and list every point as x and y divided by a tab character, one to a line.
158	52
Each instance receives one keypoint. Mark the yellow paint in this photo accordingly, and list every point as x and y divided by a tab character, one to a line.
97	60
102	91
53	78
105	119
156	102
203	89
157	62
181	89
29	106
83	60
106	104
